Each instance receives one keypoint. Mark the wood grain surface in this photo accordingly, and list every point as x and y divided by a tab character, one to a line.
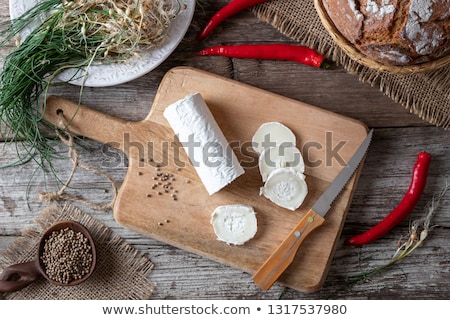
180	274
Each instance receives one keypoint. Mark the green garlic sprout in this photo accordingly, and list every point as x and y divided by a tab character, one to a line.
70	34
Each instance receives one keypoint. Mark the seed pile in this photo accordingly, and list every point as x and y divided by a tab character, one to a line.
67	256
163	183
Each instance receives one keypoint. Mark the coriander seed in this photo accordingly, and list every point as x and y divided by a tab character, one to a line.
66	256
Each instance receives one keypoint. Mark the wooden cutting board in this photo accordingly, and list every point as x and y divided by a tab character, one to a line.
181	216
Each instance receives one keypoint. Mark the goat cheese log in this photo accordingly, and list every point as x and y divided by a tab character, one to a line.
204	142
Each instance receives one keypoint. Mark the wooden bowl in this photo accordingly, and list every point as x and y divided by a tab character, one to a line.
18	276
357	56
77	227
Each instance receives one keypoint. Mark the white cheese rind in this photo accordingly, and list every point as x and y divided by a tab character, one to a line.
204	142
235	223
271	134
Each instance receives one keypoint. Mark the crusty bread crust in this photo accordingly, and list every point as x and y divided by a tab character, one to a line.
394	32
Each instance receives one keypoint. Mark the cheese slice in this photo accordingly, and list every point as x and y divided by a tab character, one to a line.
204	142
272	134
280	157
285	187
234	223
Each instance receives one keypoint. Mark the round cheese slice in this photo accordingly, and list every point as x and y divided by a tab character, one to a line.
272	134
234	223
285	187
280	157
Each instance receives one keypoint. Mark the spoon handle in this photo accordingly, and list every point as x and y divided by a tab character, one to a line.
18	276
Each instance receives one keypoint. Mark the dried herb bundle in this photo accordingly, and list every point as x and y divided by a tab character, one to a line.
418	232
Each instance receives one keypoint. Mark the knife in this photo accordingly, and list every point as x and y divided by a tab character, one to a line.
283	256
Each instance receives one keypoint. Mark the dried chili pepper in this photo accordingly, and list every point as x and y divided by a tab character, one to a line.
404	208
289	52
229	10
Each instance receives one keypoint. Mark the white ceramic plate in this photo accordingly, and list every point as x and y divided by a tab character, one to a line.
118	73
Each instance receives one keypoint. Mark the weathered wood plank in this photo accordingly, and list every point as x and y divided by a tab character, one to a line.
180	274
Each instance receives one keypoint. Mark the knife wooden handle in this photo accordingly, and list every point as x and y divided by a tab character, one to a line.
283	256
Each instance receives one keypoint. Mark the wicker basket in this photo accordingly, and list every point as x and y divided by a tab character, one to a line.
357	56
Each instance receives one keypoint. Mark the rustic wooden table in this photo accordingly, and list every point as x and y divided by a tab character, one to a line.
399	136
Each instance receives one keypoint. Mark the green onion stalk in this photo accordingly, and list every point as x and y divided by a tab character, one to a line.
70	34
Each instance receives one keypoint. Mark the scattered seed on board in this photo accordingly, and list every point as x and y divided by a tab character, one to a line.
165	180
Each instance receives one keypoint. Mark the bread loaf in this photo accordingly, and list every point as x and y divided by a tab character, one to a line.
394	32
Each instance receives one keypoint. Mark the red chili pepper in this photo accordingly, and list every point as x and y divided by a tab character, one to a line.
229	10
404	208
289	52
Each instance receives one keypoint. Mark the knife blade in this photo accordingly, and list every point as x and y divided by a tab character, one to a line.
285	253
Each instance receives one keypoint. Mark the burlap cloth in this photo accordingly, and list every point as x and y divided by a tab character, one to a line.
427	94
121	272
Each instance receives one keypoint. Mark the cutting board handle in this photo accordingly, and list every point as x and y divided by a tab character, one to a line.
84	121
